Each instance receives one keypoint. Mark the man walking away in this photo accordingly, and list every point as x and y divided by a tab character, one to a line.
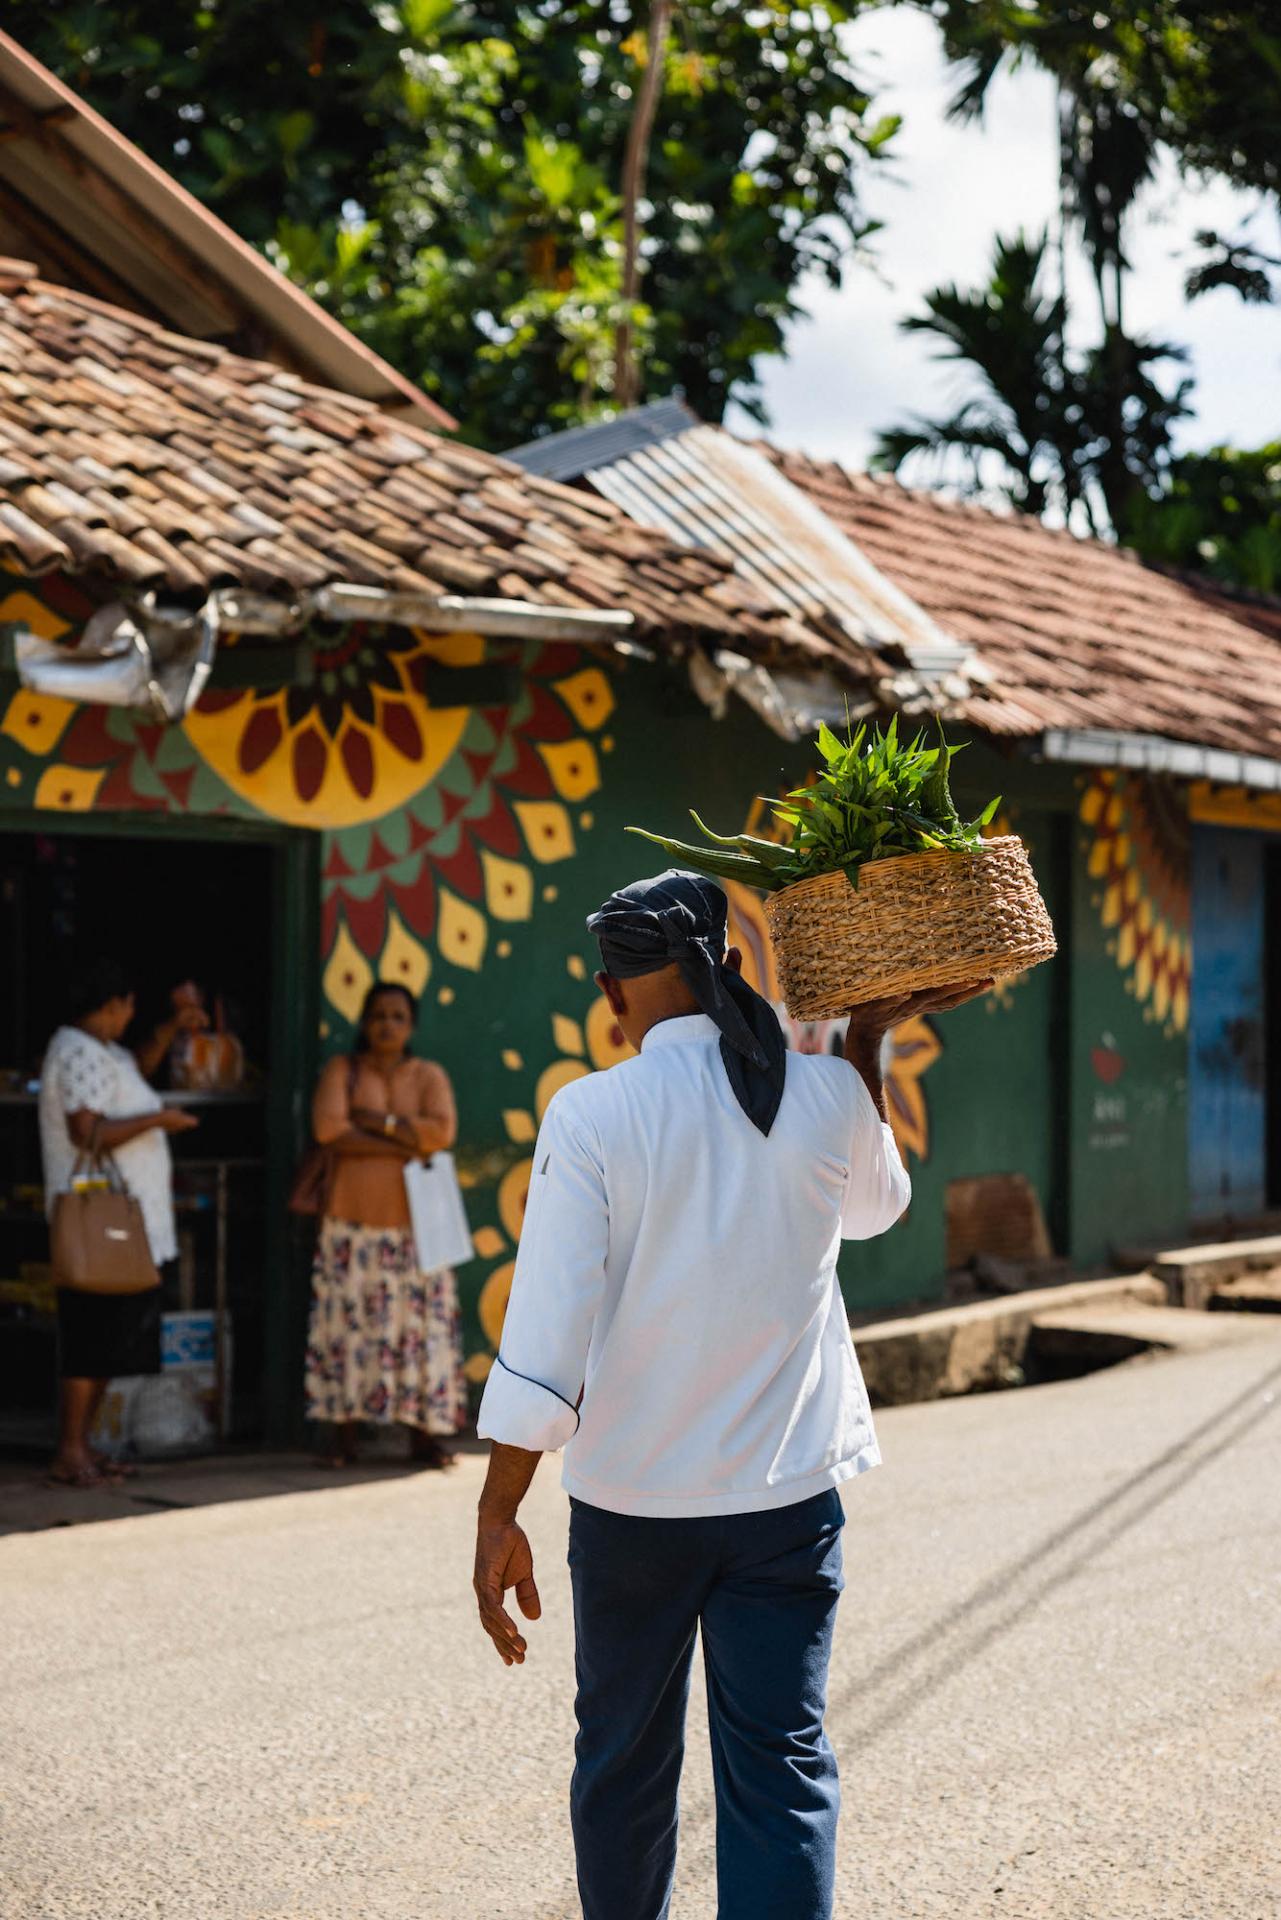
676	1325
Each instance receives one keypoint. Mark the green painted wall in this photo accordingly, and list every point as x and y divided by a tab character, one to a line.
505	775
1128	1061
993	1107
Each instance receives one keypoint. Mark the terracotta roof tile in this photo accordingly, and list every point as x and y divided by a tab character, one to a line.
177	567
1078	634
38	548
131	453
100	547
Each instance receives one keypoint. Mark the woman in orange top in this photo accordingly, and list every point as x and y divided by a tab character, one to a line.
384	1342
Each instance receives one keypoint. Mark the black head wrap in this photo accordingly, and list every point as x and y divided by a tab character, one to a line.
681	918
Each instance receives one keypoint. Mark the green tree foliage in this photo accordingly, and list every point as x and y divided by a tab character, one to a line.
1090	434
1084	433
1202	81
444	177
1009	333
261	110
1221	514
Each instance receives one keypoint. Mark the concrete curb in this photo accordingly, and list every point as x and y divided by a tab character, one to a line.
1194	1275
981	1344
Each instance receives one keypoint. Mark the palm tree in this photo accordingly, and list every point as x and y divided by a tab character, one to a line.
1011	334
1127	420
1107	144
1104	419
1085	434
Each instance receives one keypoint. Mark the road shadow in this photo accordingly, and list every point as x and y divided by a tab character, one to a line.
890	1690
910	1673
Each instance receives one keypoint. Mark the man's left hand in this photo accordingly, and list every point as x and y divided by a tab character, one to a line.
504	1559
878	1016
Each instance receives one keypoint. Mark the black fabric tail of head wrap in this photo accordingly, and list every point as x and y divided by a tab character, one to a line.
681	918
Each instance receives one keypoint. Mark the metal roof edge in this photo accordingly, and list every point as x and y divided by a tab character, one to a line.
1152	753
706	489
575	451
930	651
703	487
136	653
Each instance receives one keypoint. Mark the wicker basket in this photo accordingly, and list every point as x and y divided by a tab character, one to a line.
925	920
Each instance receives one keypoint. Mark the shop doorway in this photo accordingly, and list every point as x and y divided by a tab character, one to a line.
226	911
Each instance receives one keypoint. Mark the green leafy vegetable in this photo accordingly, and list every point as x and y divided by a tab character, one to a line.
872	798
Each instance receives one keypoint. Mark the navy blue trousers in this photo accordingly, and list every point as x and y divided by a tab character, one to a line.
763	1587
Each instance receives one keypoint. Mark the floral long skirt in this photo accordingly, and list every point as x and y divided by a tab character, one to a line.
384	1343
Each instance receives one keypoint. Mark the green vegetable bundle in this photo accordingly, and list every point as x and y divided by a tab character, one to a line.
873	799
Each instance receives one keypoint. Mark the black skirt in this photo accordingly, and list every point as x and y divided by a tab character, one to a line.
104	1335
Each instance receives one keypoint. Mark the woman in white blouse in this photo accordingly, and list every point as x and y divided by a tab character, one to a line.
93	1092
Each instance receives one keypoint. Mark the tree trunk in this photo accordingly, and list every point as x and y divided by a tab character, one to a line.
626	376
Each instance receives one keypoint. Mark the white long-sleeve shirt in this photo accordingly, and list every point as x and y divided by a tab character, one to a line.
678	1267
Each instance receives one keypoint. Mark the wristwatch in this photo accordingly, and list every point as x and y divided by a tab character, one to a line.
389	1123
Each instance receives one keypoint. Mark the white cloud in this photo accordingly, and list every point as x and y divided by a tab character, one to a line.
850	372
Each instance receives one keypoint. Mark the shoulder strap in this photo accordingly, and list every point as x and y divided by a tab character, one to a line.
92	1155
94	1158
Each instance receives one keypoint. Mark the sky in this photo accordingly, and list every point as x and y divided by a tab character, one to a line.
849	372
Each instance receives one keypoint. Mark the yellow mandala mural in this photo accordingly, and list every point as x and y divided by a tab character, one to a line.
1137	860
357	745
447	775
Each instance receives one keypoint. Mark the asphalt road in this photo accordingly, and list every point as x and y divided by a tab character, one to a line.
1057	1686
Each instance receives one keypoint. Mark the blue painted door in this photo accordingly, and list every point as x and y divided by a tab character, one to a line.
1226	1107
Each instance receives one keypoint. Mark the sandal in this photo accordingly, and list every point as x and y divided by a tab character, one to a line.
114	1469
426	1451
86	1477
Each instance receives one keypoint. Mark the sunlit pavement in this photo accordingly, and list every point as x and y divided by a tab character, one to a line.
1057	1686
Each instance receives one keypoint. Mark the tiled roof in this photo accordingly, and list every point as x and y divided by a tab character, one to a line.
131	454
96	212
1077	634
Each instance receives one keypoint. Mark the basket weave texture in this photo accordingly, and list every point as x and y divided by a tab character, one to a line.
924	920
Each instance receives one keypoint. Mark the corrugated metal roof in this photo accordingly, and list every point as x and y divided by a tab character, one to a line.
706	489
568	455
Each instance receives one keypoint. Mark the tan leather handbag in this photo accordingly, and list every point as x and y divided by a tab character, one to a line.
97	1238
309	1189
311	1184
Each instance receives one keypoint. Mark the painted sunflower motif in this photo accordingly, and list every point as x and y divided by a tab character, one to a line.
350	747
458	861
